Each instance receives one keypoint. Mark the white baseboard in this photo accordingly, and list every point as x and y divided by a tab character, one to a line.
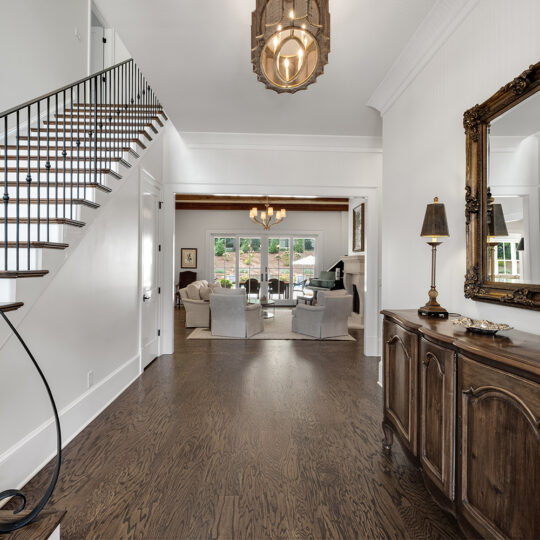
371	346
27	457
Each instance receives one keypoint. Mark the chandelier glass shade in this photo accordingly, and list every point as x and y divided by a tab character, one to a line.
290	42
267	218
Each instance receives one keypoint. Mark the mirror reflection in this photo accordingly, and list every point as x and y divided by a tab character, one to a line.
513	209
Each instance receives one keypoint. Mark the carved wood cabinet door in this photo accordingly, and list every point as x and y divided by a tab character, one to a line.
499	435
437	415
400	362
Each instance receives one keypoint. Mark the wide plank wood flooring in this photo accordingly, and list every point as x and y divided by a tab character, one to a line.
245	439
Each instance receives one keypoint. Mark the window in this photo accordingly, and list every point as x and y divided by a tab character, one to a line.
303	264
507	262
225	255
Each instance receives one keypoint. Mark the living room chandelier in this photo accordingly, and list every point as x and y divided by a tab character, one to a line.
290	42
267	218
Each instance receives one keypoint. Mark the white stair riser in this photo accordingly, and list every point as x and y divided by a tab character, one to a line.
70	192
36	259
56	232
74	213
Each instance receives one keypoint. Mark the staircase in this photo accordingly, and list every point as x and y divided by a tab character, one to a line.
61	155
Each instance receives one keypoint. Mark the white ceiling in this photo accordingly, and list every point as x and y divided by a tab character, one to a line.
196	55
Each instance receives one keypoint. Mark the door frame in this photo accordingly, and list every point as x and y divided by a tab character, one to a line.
145	176
372	284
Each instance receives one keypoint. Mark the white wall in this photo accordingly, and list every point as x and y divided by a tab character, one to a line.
424	154
193	227
87	319
44	46
259	164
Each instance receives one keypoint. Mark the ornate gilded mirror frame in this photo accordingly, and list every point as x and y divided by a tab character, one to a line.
476	122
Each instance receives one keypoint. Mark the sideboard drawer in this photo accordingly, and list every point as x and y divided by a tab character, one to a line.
400	381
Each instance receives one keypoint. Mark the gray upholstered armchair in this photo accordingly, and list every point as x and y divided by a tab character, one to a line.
329	318
231	317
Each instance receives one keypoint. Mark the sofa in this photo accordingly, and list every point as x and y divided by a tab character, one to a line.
232	316
196	300
329	318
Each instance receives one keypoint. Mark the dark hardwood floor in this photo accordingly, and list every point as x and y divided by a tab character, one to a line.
245	439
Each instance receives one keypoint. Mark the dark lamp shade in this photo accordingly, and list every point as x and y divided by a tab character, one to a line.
435	223
496	222
521	245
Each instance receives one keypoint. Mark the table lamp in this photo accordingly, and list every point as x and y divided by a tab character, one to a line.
435	226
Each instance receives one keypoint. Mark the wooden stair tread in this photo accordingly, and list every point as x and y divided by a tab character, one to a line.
52	200
5	307
39	529
100	139
16	274
43	221
35	244
91	185
54	170
59	158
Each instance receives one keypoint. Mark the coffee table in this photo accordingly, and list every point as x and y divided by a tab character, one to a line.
266	305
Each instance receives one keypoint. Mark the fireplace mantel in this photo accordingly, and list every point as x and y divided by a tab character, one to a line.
353	274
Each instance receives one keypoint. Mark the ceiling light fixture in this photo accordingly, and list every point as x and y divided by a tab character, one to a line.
267	218
290	42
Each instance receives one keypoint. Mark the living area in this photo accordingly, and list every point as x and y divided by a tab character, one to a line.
289	268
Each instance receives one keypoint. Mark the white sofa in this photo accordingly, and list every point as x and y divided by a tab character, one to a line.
329	318
232	316
196	300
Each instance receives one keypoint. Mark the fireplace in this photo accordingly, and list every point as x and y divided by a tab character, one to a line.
353	280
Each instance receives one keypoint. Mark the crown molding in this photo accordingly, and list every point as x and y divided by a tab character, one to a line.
439	24
281	142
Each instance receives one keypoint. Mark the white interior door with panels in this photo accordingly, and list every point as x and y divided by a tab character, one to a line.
150	268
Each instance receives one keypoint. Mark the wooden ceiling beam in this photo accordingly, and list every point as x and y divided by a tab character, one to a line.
296	204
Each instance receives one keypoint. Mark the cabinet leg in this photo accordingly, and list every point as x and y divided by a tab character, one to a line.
388	438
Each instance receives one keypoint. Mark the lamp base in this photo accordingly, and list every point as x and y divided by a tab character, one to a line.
433	311
433	308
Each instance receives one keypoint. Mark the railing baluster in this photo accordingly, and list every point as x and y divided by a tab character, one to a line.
64	154
28	180
78	147
38	125
71	159
48	168
6	193
17	210
56	155
95	130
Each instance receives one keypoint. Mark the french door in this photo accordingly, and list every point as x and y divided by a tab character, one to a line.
275	266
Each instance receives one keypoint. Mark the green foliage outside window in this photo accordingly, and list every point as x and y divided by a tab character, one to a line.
219	247
273	246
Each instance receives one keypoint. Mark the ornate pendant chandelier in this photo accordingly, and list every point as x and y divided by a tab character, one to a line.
267	217
290	42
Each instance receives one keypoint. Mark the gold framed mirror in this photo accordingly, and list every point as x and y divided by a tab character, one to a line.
502	195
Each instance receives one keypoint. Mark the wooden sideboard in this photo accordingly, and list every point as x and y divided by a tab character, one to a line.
466	408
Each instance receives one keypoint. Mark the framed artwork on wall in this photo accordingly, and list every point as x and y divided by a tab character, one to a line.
188	257
359	227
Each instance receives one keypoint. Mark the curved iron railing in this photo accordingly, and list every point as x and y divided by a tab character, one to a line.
9	493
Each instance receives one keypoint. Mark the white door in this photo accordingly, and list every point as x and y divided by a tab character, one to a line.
150	267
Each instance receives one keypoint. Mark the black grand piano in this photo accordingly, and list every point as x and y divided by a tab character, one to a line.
330	280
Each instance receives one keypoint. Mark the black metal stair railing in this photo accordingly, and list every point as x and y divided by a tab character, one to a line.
52	150
54	147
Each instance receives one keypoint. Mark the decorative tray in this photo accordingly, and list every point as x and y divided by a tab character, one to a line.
480	326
